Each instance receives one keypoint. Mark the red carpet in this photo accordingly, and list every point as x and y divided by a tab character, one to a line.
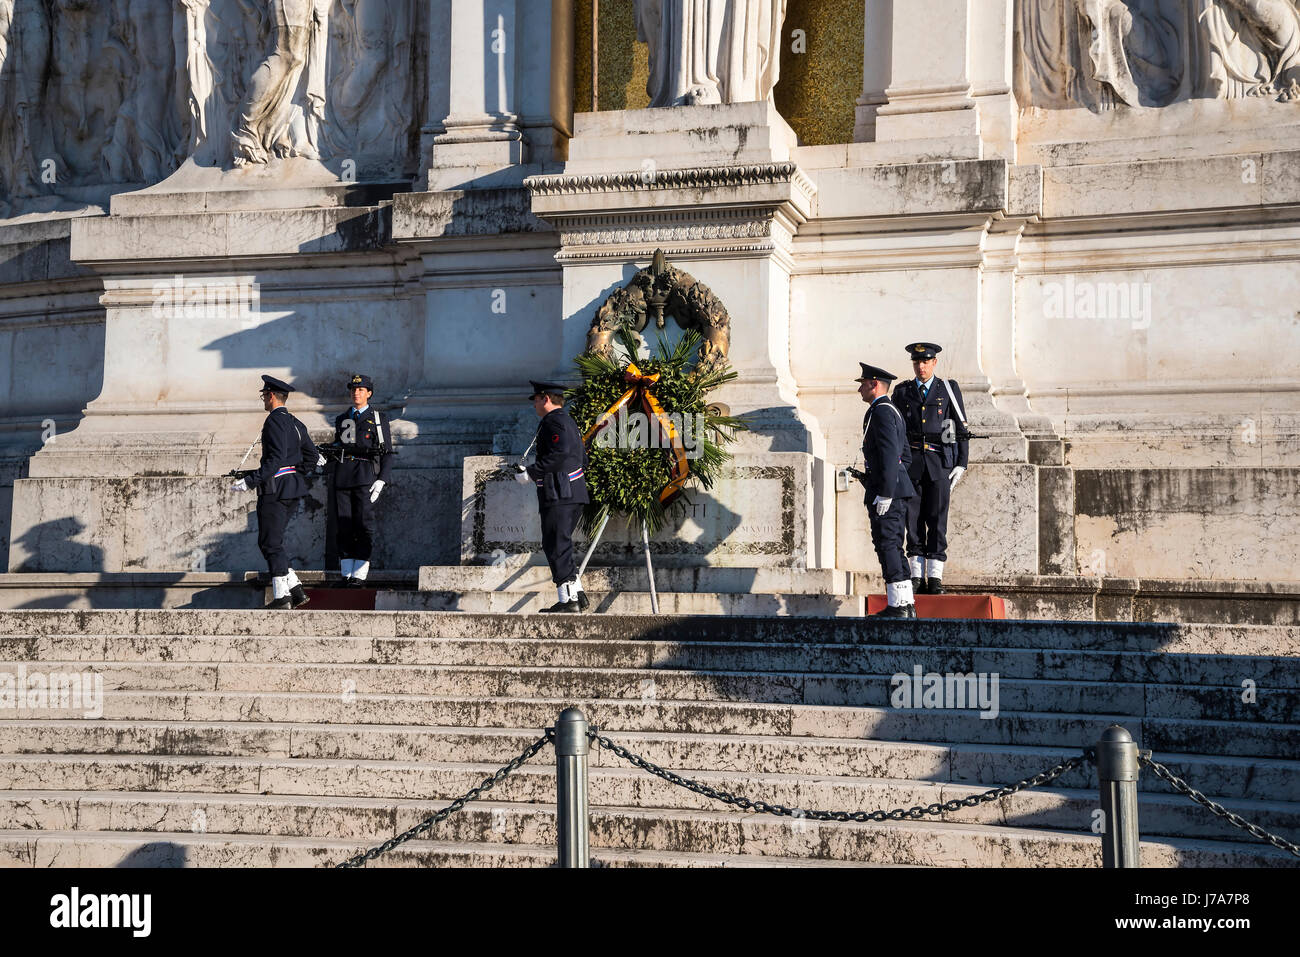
948	606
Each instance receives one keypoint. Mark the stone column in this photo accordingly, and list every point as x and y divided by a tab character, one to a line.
929	88
877	33
945	75
472	71
500	90
992	52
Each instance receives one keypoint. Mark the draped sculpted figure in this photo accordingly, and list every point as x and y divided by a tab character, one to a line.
270	122
711	51
1100	54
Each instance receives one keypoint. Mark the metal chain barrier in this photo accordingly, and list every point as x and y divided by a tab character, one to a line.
1236	820
862	817
471	795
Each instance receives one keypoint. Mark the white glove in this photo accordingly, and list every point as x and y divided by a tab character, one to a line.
956	474
240	486
320	461
882	504
375	489
521	475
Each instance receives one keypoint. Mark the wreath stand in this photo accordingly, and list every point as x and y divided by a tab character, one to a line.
649	567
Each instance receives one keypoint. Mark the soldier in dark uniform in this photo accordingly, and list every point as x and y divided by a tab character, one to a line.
558	471
287	450
940	444
362	472
887	457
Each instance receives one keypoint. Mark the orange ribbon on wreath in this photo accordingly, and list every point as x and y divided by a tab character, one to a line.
640	388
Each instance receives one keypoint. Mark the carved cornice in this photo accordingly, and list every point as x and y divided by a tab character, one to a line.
702	177
642	228
616	253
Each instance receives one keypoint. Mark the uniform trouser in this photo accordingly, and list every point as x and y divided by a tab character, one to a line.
558	523
272	519
887	537
927	517
356	522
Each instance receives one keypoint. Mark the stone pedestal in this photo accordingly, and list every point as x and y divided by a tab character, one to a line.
758	515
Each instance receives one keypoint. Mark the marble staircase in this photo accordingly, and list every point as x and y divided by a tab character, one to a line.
249	738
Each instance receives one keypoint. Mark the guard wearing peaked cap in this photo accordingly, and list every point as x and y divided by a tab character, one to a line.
287	451
558	472
940	446
363	469
888	489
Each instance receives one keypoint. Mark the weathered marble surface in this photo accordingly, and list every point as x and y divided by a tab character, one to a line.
759	514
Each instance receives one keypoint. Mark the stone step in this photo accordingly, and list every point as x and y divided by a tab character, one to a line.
168	849
624	837
512	578
647	684
1058	730
624	786
1273	640
987	765
715	829
1093	598
627	603
1142	667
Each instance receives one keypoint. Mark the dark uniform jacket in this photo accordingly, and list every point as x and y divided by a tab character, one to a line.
360	470
926	423
561	462
885	452
286	450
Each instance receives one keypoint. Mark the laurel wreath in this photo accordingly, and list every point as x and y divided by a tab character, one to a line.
628	481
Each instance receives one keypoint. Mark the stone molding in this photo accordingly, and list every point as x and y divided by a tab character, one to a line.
703	177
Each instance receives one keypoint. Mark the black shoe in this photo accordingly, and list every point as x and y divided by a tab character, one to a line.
563	607
934	586
583	601
280	603
918	586
896	611
355	583
297	597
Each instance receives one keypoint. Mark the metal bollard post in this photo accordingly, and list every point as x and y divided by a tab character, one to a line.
571	788
1117	777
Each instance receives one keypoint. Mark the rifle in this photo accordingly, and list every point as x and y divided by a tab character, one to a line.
338	451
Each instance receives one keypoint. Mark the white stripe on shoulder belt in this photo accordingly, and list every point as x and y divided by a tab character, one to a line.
961	413
379	429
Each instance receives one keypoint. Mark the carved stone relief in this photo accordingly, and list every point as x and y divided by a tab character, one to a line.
105	95
656	292
1100	54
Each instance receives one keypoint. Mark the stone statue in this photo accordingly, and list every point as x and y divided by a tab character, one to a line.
271	121
710	51
190	43
1100	54
371	106
1254	48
